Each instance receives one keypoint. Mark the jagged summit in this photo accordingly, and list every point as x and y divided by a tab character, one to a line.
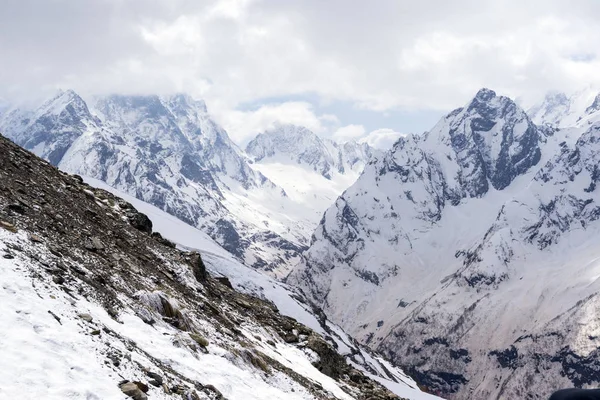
53	127
488	143
182	101
484	95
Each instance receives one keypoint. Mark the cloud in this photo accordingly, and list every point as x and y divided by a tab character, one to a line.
382	138
247	124
349	132
431	55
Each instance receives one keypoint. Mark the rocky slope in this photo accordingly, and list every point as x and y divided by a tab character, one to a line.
100	306
468	255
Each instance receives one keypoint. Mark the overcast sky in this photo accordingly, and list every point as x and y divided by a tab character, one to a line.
344	68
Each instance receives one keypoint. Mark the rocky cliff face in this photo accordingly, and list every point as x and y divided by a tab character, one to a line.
114	310
467	254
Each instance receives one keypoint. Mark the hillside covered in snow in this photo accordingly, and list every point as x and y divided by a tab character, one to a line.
312	171
469	254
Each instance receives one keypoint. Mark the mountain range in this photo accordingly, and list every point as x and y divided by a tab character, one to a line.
169	152
469	254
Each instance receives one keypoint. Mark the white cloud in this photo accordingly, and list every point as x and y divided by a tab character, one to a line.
245	125
349	132
382	138
432	55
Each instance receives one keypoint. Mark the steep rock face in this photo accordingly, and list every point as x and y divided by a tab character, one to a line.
468	255
492	141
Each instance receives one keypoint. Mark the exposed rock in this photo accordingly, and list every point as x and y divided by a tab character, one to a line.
8	226
139	221
290	338
198	267
55	316
223	280
17	208
142	386
202	341
132	390
94	244
330	362
159	238
59	280
145	316
155	379
86	317
256	360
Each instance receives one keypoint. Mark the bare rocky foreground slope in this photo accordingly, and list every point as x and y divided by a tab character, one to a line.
95	306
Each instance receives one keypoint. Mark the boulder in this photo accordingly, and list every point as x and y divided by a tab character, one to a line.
198	267
132	390
202	341
86	317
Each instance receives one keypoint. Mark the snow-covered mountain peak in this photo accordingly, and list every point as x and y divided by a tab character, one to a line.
66	103
50	129
487	143
183	101
550	110
302	146
130	111
470	253
578	109
288	139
